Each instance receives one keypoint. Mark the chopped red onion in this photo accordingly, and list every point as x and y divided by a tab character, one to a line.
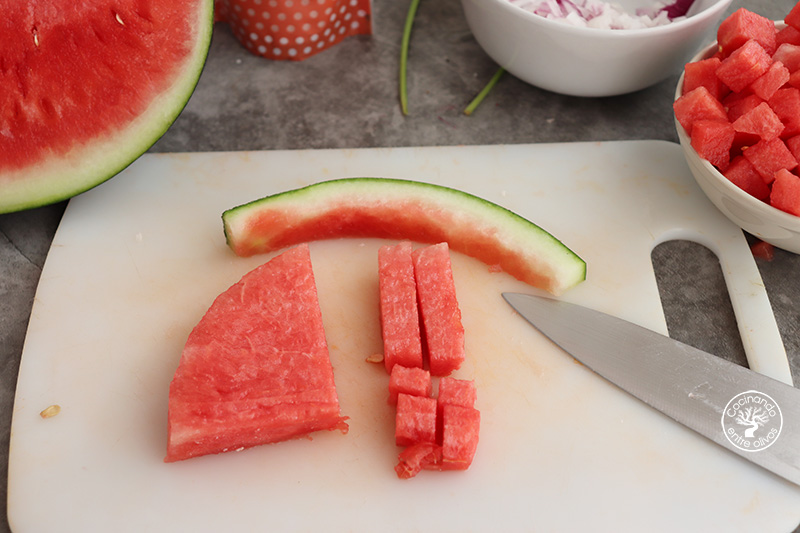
599	14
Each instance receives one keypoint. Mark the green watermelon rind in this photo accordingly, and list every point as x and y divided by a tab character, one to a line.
63	177
541	251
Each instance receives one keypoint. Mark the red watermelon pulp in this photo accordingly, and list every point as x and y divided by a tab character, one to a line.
256	368
87	87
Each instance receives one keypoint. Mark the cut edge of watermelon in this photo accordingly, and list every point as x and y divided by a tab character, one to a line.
94	163
470	225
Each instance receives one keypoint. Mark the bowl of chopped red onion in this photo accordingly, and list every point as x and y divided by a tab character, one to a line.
592	48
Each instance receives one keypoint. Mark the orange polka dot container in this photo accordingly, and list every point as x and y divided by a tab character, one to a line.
294	29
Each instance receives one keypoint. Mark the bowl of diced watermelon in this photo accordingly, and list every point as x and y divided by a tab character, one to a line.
737	115
592	48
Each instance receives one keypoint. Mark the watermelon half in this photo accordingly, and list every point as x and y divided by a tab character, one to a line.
404	209
87	87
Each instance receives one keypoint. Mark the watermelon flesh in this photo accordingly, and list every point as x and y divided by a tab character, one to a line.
712	140
415	420
414	381
402	344
768	157
785	193
255	369
441	432
744	66
418	457
743	25
460	428
743	174
454	391
441	316
758	67
90	86
405	210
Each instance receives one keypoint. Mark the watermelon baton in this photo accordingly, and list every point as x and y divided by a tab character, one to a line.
398	307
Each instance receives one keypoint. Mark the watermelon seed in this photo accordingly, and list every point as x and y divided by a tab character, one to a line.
35	38
51	411
119	19
375	358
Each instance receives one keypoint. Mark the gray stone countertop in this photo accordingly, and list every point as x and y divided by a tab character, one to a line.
347	97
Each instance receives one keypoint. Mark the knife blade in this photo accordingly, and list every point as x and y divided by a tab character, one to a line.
747	413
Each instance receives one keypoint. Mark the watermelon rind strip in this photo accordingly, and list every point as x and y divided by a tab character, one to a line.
471	225
62	177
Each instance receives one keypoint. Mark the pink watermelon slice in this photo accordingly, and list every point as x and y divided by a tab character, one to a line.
405	210
90	86
256	368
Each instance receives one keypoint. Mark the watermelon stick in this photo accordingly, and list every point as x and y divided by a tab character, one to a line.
481	95
412	11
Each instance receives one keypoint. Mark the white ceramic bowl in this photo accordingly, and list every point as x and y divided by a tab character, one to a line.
589	62
758	218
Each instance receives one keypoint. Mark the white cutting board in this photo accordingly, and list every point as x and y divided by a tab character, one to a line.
137	261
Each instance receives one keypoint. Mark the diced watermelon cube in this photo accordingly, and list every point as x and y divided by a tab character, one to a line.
743	174
787	35
744	66
794	79
789	55
761	121
793	144
414	381
415	420
697	104
786	104
768	157
763	250
737	104
743	25
704	73
776	77
793	17
712	140
460	436
398	307
454	391
441	316
786	192
419	456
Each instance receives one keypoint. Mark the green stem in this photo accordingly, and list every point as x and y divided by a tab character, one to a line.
412	11
481	95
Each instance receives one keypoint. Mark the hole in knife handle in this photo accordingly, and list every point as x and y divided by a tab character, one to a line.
695	299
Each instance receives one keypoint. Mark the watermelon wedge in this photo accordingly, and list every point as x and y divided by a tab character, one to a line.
405	210
90	86
256	368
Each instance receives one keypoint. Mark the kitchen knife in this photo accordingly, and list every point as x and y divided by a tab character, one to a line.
749	414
